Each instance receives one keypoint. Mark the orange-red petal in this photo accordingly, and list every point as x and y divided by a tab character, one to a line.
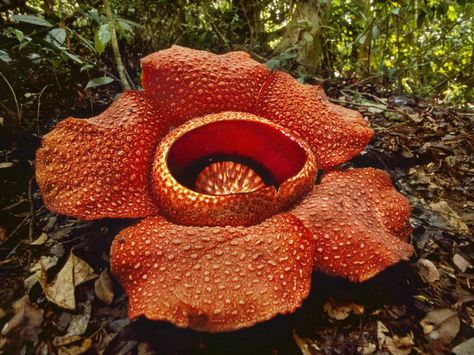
287	158
335	133
214	278
359	223
190	83
100	167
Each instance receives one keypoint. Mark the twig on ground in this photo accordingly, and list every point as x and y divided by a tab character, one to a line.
32	209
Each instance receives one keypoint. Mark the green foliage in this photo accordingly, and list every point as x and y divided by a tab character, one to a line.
103	80
420	47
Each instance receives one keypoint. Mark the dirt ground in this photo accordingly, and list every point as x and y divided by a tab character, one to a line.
422	306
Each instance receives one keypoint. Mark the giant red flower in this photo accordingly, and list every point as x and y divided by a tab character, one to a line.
219	157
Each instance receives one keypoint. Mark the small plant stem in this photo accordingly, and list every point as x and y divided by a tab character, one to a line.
18	110
118	59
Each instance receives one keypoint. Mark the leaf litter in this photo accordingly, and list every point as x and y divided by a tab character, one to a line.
57	294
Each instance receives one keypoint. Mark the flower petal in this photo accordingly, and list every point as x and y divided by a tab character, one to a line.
335	133
99	167
190	83
214	278
359	223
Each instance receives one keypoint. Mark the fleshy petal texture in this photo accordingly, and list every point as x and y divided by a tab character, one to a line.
359	223
100	167
335	133
191	83
287	158
214	278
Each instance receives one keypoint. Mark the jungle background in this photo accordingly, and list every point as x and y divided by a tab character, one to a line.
407	66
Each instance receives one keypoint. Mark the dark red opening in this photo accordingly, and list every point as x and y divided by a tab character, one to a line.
273	155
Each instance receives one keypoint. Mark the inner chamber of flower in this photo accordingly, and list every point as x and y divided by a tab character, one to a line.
234	156
230	168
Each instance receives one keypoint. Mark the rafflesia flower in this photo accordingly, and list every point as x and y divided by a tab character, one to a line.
219	157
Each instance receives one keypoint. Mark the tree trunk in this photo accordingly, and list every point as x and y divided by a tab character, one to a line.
305	33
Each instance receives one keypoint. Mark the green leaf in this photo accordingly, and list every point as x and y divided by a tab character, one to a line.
273	64
396	11
56	36
4	56
73	57
362	39
124	26
375	32
101	38
103	80
86	67
19	35
34	20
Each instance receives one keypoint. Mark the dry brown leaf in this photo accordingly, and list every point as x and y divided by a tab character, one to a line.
104	288
367	349
3	234
342	311
399	345
465	348
40	240
24	326
381	330
76	349
451	218
461	263
46	262
61	291
441	324
427	270
306	346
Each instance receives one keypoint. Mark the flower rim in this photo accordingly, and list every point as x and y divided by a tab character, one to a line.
185	206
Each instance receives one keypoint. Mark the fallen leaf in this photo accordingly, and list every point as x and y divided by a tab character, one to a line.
75	348
441	325
77	326
461	263
465	348
3	234
451	218
342	311
145	349
23	327
6	165
367	349
61	291
46	262
399	345
463	299
40	240
427	270
381	330
103	287
306	346
79	322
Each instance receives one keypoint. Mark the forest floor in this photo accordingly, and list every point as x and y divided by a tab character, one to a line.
422	306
